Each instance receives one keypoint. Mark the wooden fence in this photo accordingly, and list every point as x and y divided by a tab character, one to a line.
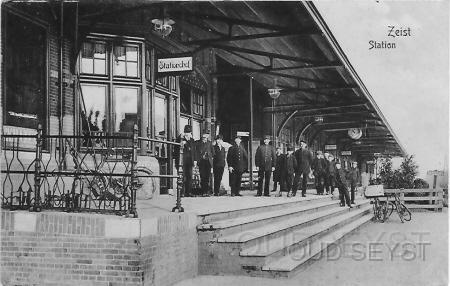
420	199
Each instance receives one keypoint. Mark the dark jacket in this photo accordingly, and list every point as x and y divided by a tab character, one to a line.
304	159
265	157
353	175
331	169
290	164
219	157
278	167
189	152
205	151
319	166
237	158
341	178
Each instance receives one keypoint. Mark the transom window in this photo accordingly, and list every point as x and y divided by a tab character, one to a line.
93	58
126	61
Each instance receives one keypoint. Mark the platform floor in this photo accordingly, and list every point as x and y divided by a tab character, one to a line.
163	204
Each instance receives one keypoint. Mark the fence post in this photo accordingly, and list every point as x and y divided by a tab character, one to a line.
179	181
37	171
440	201
134	182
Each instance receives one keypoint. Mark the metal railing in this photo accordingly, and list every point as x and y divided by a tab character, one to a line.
95	172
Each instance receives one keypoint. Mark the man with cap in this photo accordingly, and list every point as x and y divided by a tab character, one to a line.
237	164
188	160
330	175
319	166
205	155
304	159
288	170
265	159
341	183
278	166
354	178
218	163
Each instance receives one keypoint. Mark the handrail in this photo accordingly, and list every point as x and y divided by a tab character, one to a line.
159	141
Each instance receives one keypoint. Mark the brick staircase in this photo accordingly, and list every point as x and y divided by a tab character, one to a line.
277	240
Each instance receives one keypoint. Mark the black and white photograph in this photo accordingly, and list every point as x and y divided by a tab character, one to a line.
224	143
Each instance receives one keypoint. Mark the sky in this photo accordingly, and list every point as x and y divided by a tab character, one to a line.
410	83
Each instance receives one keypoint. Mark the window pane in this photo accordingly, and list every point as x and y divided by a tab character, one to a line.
125	108
99	66
196	129
119	68
132	69
132	54
119	53
99	51
160	116
94	100
87	65
183	122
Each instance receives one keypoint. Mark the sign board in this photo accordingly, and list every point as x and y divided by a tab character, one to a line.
435	172
370	162
172	65
374	191
330	147
346	153
376	154
243	133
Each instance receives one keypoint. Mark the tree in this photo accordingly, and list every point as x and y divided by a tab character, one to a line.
399	178
420	183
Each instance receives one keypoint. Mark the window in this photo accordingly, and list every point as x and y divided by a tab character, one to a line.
93	115
163	81
93	58
160	116
148	64
24	96
125	113
198	102
126	61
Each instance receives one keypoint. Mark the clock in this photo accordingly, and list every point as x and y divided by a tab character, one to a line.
355	133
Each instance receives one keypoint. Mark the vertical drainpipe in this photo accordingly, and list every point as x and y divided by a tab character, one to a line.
61	68
250	148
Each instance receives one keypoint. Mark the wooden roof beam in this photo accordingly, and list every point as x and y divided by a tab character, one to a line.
303	108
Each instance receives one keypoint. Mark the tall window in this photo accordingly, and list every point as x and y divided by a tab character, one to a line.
106	104
24	96
160	116
198	102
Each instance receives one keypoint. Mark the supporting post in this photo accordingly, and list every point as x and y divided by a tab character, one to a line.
178	206
250	149
37	171
132	206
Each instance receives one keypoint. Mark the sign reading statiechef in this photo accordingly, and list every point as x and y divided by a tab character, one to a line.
175	65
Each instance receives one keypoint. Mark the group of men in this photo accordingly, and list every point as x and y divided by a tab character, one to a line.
210	159
288	169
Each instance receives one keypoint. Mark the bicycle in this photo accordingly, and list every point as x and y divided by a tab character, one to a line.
380	209
402	211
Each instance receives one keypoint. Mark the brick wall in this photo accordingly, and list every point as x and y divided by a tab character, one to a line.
51	248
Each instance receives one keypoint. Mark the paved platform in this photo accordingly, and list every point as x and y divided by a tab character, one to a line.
392	253
163	204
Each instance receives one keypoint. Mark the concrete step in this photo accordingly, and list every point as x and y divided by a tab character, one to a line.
233	225
267	204
291	264
252	237
273	249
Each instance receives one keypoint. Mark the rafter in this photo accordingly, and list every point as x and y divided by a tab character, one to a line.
303	108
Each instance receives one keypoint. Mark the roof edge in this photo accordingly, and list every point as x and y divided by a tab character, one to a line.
314	13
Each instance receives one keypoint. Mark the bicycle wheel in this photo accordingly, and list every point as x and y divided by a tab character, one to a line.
404	212
384	209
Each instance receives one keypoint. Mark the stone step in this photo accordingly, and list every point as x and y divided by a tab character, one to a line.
290	265
273	249
254	236
267	204
230	226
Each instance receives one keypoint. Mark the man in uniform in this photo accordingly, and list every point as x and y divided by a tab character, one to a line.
265	159
341	183
205	155
330	175
319	166
304	159
188	160
354	178
237	163
218	163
